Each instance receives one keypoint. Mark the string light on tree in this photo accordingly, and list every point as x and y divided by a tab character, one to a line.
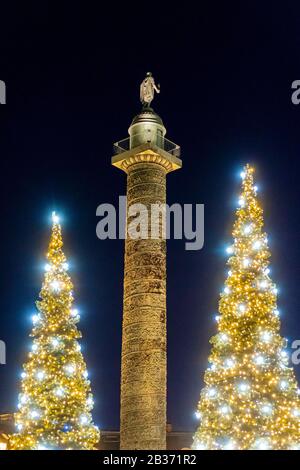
55	285
65	266
242	308
262	444
266	336
230	445
55	402
60	392
212	393
260	407
267	409
35	319
242	202
70	369
243	387
260	360
40	375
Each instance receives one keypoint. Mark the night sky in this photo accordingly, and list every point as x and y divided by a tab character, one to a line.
73	74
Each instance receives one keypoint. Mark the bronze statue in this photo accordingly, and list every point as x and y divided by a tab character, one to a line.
147	89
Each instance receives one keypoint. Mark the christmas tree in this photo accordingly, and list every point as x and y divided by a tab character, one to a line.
55	402
250	399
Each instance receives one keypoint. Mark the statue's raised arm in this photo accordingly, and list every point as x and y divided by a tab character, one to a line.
147	89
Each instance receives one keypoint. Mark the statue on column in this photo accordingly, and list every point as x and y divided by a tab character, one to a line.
147	89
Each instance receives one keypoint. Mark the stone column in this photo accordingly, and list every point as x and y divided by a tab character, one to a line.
143	373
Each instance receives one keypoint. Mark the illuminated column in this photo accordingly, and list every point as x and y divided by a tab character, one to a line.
146	156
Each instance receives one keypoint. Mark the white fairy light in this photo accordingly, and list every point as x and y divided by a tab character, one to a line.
55	218
23	399
84	419
225	409
55	342
256	245
34	414
262	444
259	360
243	387
74	312
48	267
266	336
247	229
229	363
65	266
42	447
59	391
70	369
243	175
90	401
230	250
217	318
263	284
242	308
211	392
223	337
23	375
35	319
267	271
229	273
276	313
55	285
283	384
284	355
246	262
295	447
227	290
85	374
296	412
199	445
266	409
34	347
197	415
275	290
242	202
19	427
230	445
40	375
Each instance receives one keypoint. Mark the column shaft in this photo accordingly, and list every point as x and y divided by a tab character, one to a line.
143	373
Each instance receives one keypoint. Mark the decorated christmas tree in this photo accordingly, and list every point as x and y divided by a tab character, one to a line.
250	399
55	402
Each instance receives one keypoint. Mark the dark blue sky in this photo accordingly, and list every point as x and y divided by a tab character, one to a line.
73	75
